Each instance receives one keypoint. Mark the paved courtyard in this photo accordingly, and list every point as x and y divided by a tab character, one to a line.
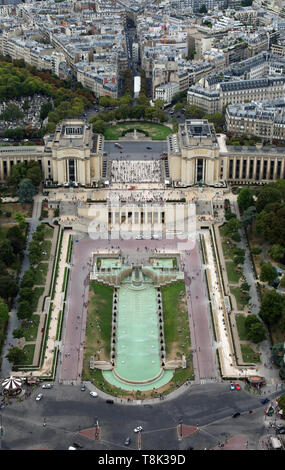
72	356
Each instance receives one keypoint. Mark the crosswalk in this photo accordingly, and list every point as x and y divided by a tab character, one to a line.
207	381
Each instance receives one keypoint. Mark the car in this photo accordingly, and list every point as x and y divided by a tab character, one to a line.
94	394
237	386
6	139
149	148
26	140
83	387
127	441
280	431
47	386
39	397
110	402
77	446
138	429
232	386
265	400
235	415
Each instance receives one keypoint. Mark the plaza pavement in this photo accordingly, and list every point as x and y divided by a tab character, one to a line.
72	356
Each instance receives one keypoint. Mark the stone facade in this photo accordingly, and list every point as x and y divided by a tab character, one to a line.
72	154
195	155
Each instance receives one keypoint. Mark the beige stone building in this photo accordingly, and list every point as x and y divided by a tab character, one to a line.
195	155
72	154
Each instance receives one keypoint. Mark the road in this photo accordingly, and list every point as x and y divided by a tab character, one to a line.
135	150
66	410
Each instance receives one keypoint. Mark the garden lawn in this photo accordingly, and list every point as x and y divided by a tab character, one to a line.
41	273
155	131
240	321
31	329
248	354
240	297
233	274
29	350
46	247
176	325
48	231
13	207
99	312
227	250
37	292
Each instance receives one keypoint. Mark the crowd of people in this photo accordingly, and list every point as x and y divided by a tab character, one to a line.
123	171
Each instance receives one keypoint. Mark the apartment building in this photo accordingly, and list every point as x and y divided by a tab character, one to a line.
235	92
262	119
166	92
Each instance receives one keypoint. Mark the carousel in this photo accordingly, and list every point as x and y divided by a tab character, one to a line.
12	387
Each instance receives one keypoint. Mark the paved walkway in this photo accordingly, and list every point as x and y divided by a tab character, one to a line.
72	357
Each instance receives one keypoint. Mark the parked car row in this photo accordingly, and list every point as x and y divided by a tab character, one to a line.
235	386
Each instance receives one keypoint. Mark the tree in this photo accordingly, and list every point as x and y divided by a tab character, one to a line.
18	332
229	214
18	172
24	310
255	330
20	219
272	307
178	107
39	236
277	252
277	354
8	287
245	199
232	227
17	239
99	126
267	195
34	173
249	216
281	403
105	101
194	112
6	252
28	279
35	252
26	294
4	313
15	355
143	100
268	272
12	113
203	9
45	109
26	191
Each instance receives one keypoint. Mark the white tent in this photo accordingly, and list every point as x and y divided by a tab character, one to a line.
11	385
